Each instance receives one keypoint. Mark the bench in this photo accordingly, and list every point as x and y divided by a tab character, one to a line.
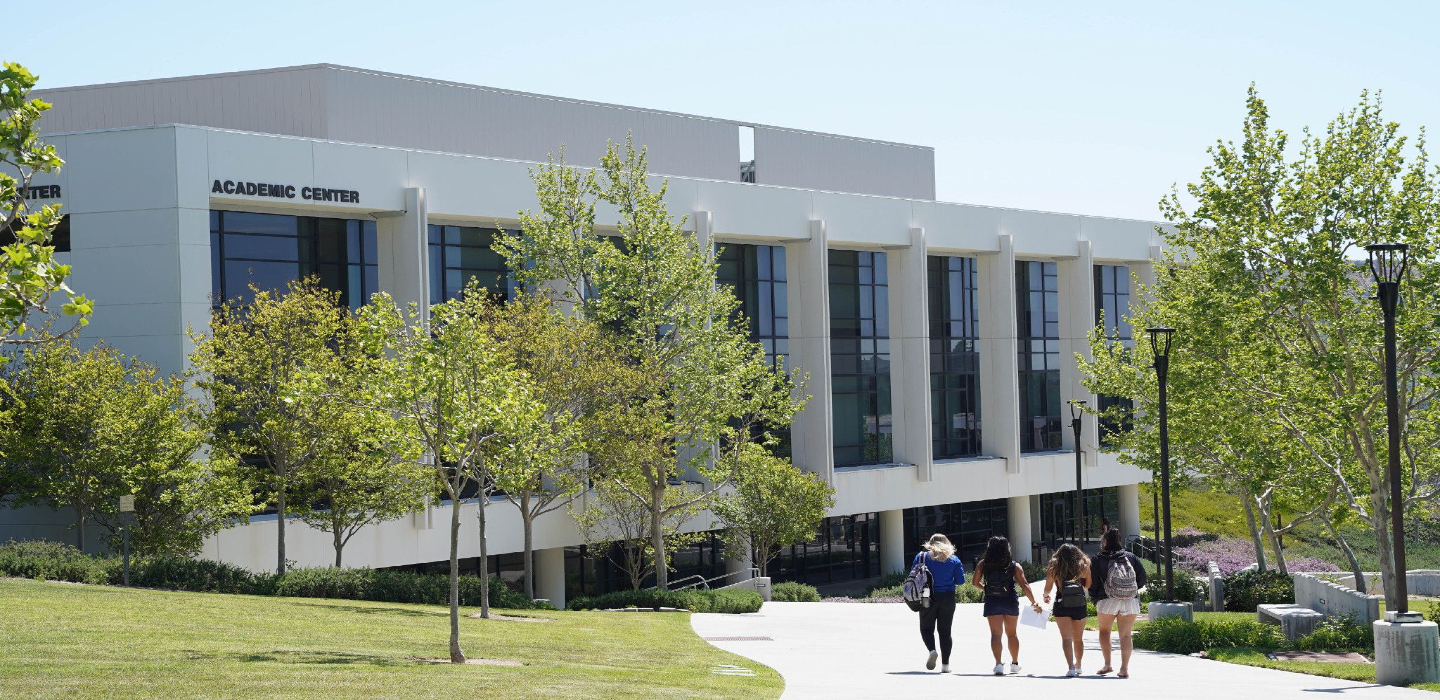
1295	620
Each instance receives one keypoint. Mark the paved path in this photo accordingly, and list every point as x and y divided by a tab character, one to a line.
870	650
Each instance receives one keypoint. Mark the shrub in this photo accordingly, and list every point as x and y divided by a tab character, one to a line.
1034	571
1343	633
1187	587
724	601
396	586
890	580
792	592
889	592
1175	635
1245	590
967	593
180	574
51	561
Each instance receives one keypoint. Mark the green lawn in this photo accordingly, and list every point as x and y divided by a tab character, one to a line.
72	641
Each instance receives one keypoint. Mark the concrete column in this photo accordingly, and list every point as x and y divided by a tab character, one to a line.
1020	526
1406	652
1129	510
550	575
999	370
892	541
807	267
1077	319
910	354
404	261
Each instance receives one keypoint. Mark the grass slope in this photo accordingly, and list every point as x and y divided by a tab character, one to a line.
1364	673
73	641
1222	514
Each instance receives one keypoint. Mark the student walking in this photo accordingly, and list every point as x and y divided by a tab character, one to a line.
996	574
946	573
1069	573
1115	581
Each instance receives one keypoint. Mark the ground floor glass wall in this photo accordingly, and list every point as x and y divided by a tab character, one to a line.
968	525
1059	516
847	548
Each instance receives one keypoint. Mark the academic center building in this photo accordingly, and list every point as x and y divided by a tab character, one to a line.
939	338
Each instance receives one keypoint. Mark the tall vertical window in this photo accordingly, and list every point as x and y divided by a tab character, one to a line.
756	274
272	250
860	358
1112	304
954	358
458	253
1038	323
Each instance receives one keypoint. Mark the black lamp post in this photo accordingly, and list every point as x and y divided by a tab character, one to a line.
1077	420
1160	346
1387	263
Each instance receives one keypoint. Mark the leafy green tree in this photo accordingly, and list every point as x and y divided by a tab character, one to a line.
617	526
363	478
692	382
566	359
457	400
261	369
1271	253
89	426
29	275
775	504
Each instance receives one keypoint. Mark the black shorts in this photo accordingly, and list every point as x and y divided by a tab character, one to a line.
1077	612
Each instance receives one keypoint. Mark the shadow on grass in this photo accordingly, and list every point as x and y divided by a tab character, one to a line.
366	610
291	656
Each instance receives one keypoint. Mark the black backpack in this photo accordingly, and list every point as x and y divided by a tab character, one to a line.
1072	595
1000	583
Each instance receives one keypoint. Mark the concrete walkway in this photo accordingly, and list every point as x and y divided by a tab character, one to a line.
873	650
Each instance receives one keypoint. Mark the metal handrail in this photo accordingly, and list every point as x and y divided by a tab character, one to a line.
702	581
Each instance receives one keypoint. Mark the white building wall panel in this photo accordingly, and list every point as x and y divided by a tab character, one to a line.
283	101
840	164
369	107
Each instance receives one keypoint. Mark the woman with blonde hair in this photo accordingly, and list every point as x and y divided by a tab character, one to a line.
946	572
1069	572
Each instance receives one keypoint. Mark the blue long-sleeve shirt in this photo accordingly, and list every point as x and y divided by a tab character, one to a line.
945	575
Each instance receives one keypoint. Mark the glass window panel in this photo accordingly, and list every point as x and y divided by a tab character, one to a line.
246	222
239	246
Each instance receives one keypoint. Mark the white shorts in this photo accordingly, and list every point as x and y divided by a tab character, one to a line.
1113	606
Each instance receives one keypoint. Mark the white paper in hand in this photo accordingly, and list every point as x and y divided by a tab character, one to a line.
1028	616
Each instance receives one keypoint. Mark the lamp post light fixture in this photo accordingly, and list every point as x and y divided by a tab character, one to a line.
1077	421
1160	346
1387	264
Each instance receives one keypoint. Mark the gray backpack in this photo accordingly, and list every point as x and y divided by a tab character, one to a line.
1120	579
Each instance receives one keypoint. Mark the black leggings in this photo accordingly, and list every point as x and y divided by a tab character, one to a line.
941	612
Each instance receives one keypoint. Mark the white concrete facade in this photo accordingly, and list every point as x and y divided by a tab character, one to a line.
139	200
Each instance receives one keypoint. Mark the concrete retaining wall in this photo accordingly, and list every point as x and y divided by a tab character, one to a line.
1417	581
1335	599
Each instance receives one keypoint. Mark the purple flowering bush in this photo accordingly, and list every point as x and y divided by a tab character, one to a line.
1232	554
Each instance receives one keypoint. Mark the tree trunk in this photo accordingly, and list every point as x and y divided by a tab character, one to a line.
1379	524
484	556
456	655
1360	583
657	537
280	526
526	520
80	529
1254	529
1280	563
339	545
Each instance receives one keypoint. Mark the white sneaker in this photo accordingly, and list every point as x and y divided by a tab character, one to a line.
930	662
944	668
1072	673
1014	668
999	669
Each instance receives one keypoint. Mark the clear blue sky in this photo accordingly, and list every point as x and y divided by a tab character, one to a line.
1093	108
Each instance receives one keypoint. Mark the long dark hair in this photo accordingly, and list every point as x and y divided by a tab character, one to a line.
1110	541
1067	563
997	554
